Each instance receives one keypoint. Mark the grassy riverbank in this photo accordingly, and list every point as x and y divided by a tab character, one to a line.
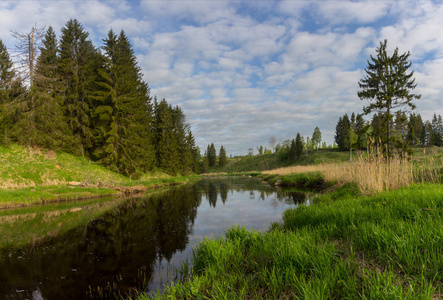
35	176
375	234
347	245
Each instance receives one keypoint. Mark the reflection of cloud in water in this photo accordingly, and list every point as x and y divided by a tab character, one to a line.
229	202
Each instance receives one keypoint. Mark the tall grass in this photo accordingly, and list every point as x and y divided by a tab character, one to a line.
379	247
374	172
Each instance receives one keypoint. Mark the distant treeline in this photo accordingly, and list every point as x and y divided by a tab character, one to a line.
405	129
66	94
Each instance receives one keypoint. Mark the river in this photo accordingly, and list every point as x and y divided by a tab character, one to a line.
138	243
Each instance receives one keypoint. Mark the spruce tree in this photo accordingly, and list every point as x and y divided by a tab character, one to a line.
361	129
342	132
122	110
436	133
400	127
205	162
10	90
292	151
50	126
222	160
298	146
165	143
24	107
78	65
415	129
212	155
185	149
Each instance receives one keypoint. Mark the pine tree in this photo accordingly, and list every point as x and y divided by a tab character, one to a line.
222	160
378	128
388	85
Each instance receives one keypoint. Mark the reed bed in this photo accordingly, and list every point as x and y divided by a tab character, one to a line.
373	172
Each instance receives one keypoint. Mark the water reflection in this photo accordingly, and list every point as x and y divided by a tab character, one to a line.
139	242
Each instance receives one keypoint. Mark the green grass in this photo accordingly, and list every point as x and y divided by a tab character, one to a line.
35	176
303	181
272	161
322	156
345	246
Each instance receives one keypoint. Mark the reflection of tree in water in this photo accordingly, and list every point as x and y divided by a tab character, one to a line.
224	189
212	187
297	197
212	194
119	247
291	196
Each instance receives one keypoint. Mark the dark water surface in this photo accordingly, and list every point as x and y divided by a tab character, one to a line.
140	243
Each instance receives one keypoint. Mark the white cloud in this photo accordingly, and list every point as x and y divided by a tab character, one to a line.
344	12
243	72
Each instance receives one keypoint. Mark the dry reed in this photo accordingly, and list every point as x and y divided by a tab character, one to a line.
373	172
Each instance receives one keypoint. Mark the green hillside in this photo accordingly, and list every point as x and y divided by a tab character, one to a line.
34	175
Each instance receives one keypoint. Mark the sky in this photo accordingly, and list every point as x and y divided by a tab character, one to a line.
244	71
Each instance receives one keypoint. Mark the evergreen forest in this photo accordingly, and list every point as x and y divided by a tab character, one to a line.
67	94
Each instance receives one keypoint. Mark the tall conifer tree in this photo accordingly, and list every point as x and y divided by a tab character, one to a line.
10	89
51	128
123	112
387	86
222	160
78	65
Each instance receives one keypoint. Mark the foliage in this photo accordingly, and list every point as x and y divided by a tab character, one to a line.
298	146
10	88
342	132
316	137
212	155
222	160
91	103
387	86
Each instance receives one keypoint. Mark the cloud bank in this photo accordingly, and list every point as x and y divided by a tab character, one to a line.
245	71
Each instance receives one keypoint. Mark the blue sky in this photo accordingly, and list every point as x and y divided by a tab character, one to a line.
244	71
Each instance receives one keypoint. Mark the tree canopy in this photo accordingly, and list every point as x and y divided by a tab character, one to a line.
387	85
86	101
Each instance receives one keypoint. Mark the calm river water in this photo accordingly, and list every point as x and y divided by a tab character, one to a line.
141	242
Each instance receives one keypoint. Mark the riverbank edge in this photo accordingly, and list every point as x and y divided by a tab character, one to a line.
22	197
367	268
